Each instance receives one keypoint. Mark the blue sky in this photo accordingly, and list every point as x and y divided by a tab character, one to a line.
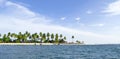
95	22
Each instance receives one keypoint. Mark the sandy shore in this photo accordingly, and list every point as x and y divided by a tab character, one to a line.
36	44
27	44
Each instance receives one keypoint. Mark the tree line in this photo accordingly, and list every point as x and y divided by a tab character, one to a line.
27	37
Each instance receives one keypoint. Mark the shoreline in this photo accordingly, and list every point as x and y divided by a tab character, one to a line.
50	44
38	44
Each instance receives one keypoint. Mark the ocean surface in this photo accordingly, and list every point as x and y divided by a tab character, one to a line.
61	52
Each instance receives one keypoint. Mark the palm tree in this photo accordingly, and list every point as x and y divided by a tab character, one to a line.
61	36
41	36
13	37
24	37
52	37
30	37
64	38
19	38
72	38
48	36
56	38
0	35
37	37
33	37
1	40
6	39
26	32
78	42
44	37
19	33
9	33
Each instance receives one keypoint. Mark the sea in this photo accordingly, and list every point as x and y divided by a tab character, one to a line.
60	52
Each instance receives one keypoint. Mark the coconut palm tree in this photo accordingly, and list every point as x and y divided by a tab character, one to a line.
1	40
64	38
13	37
44	37
40	34
52	37
56	38
72	38
24	38
26	32
48	37
9	33
33	37
0	35
37	38
61	36
6	38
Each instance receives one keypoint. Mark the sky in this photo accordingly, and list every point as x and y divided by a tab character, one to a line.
91	21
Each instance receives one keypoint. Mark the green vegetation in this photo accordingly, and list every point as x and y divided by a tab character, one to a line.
41	37
32	38
72	38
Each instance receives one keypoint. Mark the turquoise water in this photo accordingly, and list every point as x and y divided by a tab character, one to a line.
61	52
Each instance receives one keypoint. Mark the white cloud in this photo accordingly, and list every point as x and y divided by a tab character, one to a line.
22	10
81	24
98	25
16	25
15	18
113	8
78	18
63	18
2	2
89	12
116	28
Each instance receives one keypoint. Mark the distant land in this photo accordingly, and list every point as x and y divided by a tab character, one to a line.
35	39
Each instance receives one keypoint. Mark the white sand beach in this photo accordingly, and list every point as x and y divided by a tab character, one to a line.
26	44
37	44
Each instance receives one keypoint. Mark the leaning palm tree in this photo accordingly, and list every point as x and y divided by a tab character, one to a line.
6	38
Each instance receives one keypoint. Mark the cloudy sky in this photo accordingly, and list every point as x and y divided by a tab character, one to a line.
95	22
